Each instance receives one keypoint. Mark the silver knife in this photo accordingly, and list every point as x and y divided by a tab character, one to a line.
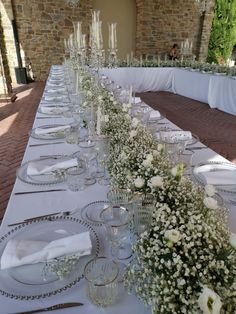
52	308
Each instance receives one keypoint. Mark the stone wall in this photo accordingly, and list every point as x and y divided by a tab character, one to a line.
43	24
161	23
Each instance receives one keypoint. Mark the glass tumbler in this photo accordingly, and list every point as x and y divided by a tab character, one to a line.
143	211
101	275
72	134
117	223
75	179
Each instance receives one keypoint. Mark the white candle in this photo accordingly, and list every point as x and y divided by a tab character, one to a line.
77	82
130	94
78	35
83	41
112	37
127	59
99	120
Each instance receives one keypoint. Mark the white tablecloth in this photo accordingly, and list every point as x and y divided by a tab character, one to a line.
217	91
142	79
21	207
222	94
191	84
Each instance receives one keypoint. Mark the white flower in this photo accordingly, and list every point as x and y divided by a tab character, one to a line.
210	190
210	202
173	235
156	181
89	93
147	163
135	122
209	301
149	157
174	171
127	116
106	118
155	153
232	240
139	182
160	147
100	98
133	133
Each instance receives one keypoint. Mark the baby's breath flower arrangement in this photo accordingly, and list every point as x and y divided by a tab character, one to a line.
186	262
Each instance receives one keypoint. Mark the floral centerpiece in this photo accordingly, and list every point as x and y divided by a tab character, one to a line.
186	263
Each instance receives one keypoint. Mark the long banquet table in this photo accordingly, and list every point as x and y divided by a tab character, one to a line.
218	91
21	207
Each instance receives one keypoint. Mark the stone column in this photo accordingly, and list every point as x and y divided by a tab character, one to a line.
5	78
207	20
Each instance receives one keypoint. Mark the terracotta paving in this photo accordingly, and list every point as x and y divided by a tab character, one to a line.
16	121
215	128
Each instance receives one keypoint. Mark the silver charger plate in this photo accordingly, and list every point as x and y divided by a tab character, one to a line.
48	136
91	212
27	282
55	110
200	169
43	179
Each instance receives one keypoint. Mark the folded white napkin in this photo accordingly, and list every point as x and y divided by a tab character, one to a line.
136	100
55	83
154	115
224	177
57	97
40	131
56	90
176	135
52	109
22	252
46	166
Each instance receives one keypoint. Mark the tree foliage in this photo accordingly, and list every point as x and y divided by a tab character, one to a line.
223	33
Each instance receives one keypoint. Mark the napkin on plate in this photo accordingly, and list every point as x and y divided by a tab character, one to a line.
46	166
154	114
136	100
52	109
221	177
39	131
23	252
56	90
176	135
57	97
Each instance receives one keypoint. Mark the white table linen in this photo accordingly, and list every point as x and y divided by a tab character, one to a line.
222	94
26	206
194	85
142	79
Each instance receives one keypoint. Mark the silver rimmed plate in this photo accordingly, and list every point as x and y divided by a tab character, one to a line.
28	282
43	179
222	175
91	212
53	110
61	133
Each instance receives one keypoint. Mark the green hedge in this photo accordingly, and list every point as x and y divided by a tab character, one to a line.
223	33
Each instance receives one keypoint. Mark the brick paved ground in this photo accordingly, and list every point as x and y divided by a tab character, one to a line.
16	121
215	128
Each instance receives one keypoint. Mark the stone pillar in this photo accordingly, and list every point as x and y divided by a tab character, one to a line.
207	20
5	78
6	20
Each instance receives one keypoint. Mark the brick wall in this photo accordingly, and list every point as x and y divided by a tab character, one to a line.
43	24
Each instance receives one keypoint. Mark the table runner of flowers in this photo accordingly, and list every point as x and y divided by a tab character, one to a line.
186	263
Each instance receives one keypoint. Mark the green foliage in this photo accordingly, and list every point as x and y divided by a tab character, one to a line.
223	33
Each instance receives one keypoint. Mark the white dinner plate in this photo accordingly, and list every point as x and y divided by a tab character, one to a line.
28	282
